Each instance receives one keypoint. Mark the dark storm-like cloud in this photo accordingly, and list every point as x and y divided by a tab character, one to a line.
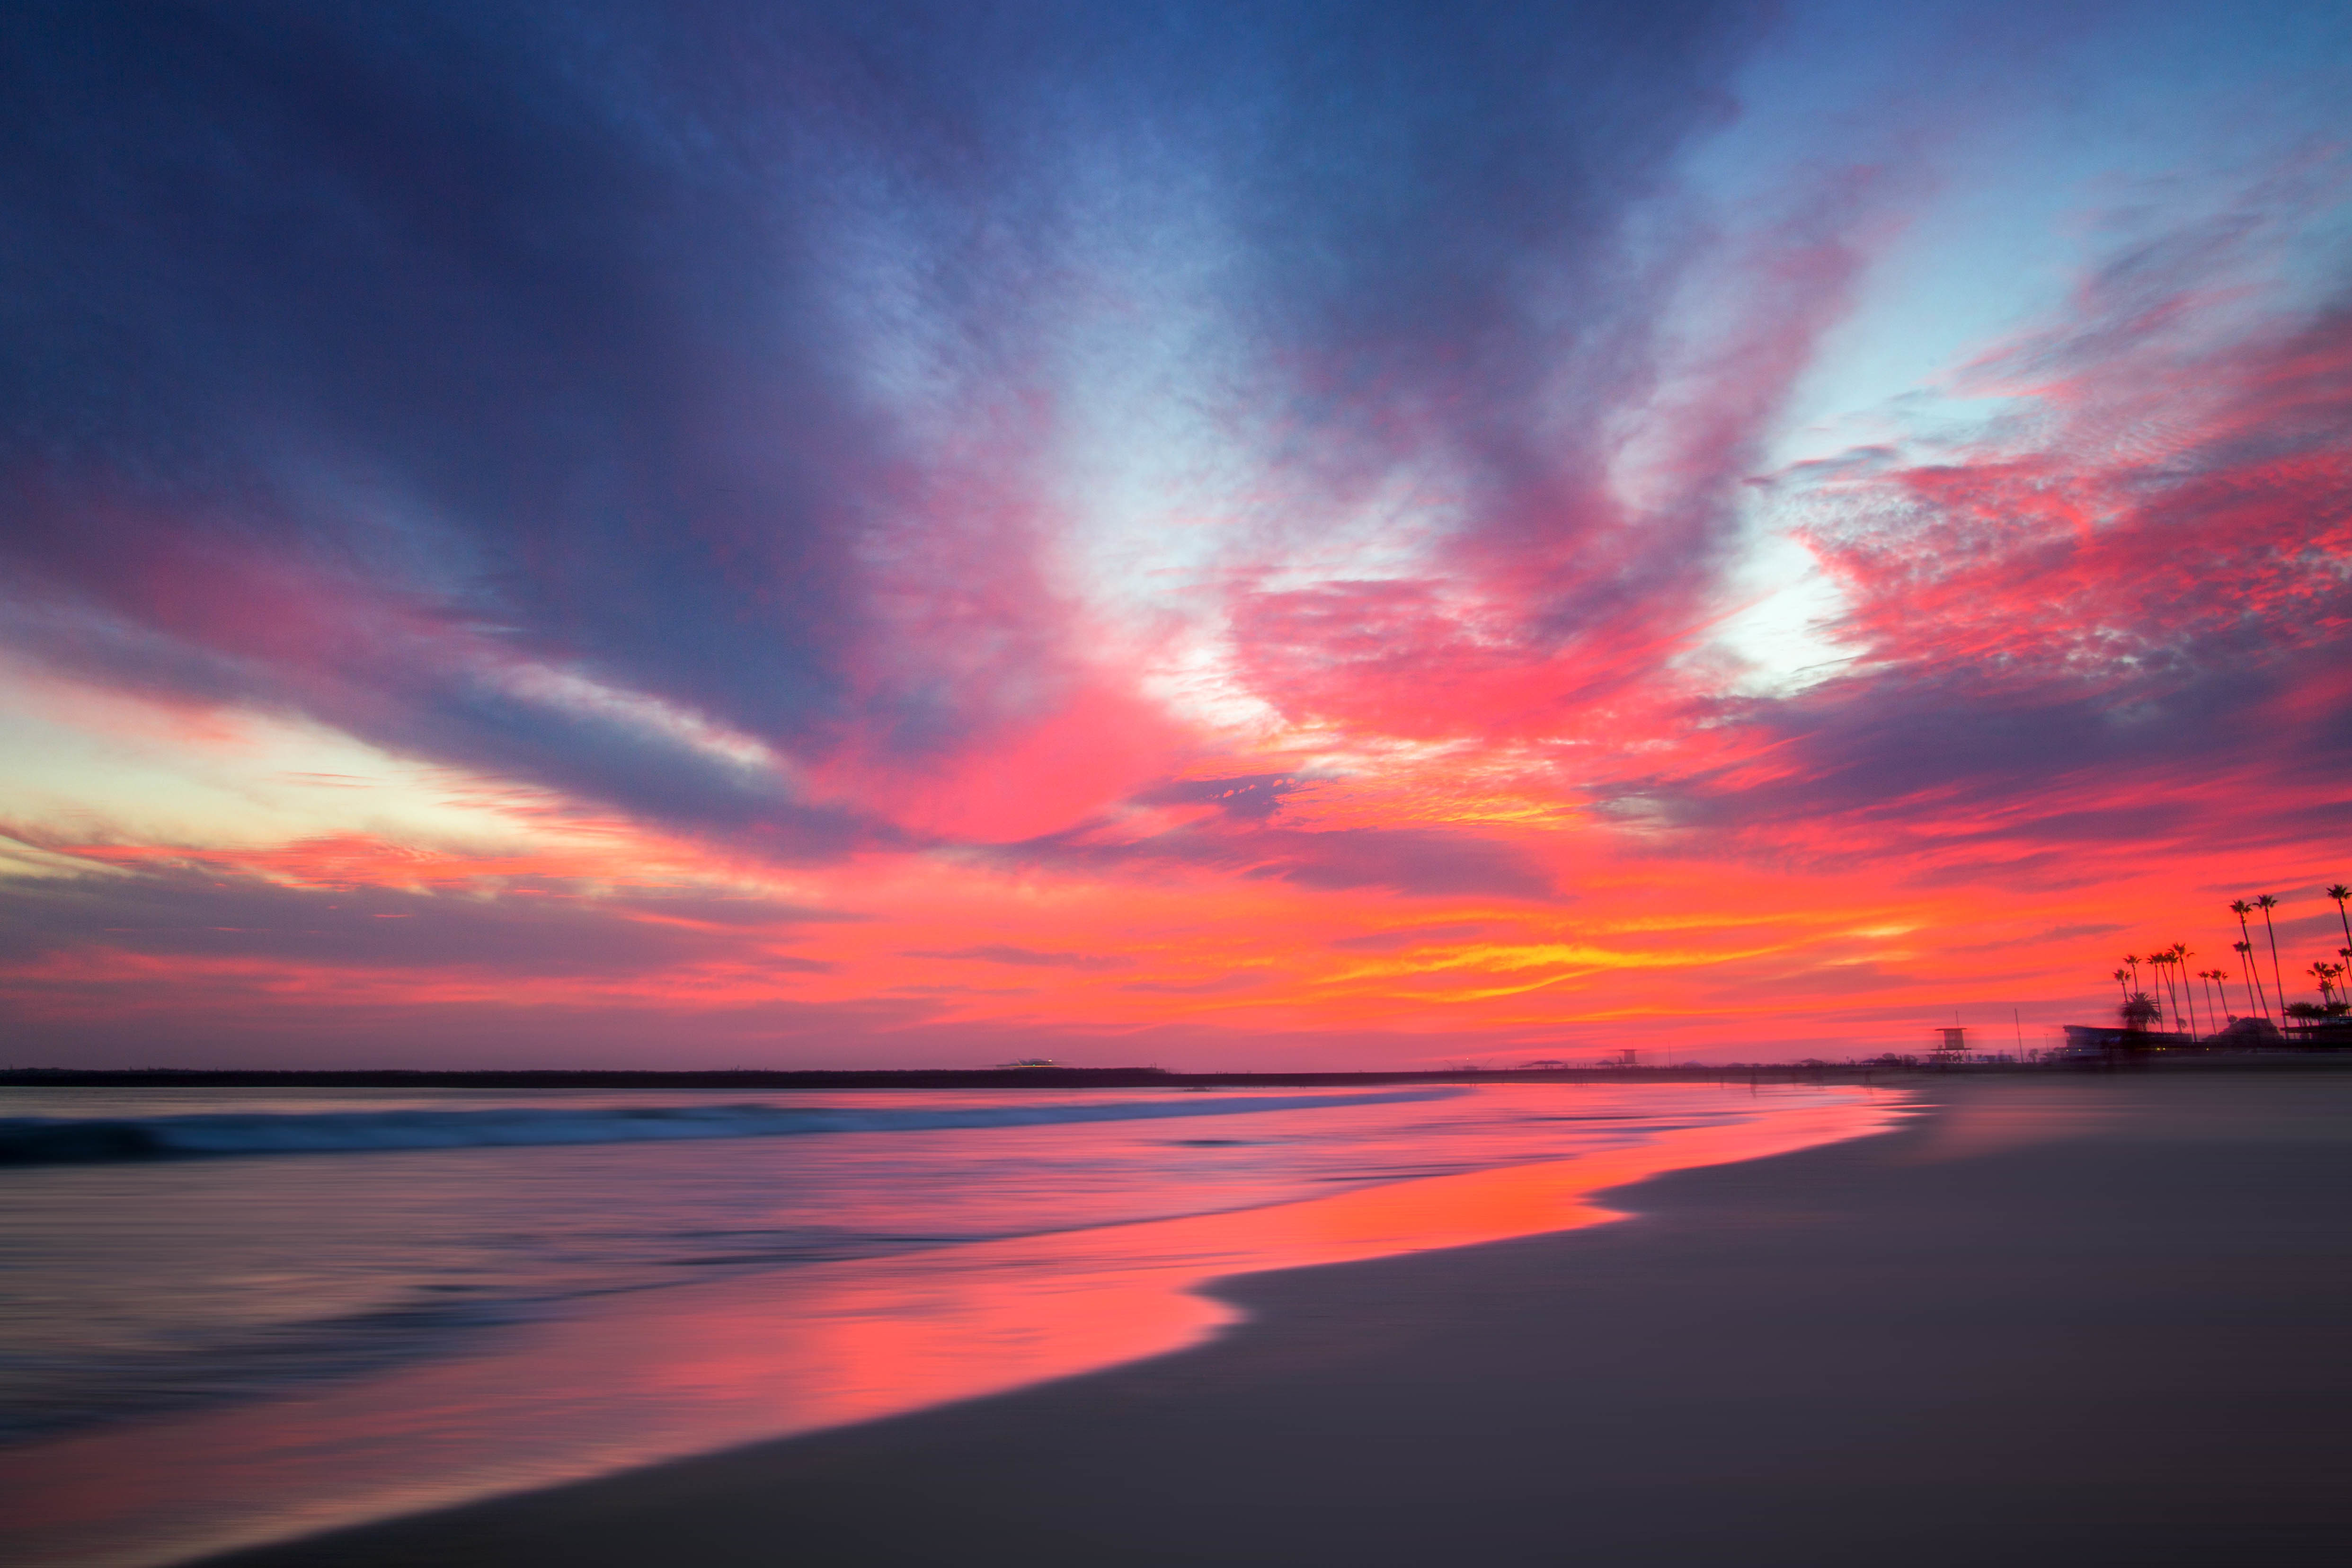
370	362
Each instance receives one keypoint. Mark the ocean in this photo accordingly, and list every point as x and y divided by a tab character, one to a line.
232	1316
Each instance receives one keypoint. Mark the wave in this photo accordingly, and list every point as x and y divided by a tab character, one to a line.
60	1140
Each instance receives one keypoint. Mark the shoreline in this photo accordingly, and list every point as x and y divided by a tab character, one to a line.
2062	1318
616	1382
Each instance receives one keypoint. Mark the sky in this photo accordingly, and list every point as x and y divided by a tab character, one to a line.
1257	535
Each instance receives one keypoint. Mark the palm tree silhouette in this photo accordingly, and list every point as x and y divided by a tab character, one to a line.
2218	981
2339	893
2240	908
2247	978
2180	957
2133	959
2266	902
2120	987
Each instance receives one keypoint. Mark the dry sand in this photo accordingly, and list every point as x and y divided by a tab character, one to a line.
2076	1321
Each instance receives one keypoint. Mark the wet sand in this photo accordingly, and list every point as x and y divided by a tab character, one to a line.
2083	1321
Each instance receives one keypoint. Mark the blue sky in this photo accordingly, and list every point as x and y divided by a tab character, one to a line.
1671	502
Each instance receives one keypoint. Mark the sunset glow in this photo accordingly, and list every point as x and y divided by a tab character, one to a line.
1209	536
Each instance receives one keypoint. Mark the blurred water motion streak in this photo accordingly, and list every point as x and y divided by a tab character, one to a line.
644	1375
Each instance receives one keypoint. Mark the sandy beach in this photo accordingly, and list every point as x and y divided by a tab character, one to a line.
2082	1320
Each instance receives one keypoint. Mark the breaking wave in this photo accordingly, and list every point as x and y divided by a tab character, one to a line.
47	1140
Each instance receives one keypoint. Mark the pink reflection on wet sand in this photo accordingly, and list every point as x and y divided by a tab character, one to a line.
657	1375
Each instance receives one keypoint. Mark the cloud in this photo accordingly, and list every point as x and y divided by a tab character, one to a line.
1028	957
655	413
1248	798
185	906
1416	862
1222	985
2114	613
1412	936
1061	480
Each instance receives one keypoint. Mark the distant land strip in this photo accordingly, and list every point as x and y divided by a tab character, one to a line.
1098	1077
869	1078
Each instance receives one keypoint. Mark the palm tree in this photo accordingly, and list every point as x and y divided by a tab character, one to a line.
2339	893
2324	973
2180	957
2266	902
2133	959
2120	987
2240	908
2215	980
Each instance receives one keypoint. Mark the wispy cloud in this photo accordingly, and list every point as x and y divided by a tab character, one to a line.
1026	958
1233	510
